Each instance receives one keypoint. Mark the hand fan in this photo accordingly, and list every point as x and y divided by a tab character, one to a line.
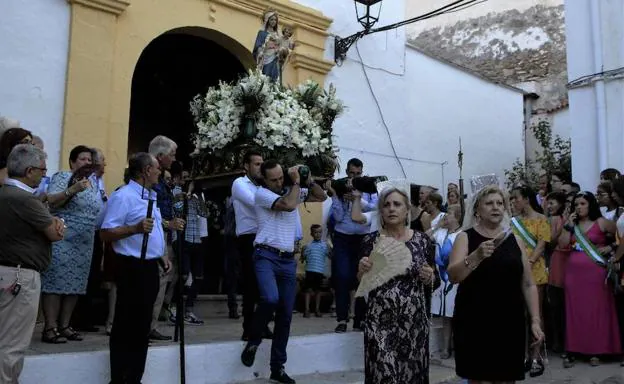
390	258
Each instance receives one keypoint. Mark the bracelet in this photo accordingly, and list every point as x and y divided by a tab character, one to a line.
67	194
467	264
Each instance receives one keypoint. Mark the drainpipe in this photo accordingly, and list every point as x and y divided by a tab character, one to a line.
601	104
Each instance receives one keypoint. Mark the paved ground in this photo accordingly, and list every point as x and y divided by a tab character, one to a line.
582	373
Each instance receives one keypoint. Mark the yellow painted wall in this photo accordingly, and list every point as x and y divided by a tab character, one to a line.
108	36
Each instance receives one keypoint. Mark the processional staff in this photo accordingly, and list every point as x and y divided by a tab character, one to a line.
460	164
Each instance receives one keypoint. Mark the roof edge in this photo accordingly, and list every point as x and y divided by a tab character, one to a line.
469	71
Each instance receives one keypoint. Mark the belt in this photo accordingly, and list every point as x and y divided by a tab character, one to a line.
15	265
279	252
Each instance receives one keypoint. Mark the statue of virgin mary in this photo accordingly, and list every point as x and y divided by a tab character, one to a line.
267	47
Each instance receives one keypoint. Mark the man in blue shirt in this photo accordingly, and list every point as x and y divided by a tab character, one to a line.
347	239
136	278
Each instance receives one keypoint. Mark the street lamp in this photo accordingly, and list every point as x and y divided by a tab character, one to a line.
367	12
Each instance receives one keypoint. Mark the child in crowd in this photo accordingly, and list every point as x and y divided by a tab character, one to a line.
314	255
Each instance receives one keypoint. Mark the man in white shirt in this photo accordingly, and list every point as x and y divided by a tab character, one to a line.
136	277
243	199
276	268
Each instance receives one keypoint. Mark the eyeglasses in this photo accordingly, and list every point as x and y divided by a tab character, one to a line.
43	170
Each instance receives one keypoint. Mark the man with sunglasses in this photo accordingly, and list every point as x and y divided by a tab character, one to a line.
27	231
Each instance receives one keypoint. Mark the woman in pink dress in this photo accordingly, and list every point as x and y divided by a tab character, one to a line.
557	212
591	321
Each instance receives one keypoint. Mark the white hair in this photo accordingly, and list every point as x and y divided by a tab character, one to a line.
161	145
97	155
22	157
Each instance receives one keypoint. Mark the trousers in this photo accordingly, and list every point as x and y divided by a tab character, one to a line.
137	284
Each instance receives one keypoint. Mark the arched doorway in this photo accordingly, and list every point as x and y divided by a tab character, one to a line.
171	70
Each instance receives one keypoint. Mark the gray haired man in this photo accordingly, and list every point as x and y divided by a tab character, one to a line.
27	231
164	150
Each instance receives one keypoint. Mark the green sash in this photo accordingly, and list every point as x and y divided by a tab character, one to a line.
588	247
521	230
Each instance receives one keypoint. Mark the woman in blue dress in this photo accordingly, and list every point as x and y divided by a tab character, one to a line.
67	276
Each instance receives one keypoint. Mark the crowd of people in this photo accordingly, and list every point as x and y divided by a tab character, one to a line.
499	271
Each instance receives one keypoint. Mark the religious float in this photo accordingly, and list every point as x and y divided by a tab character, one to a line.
292	125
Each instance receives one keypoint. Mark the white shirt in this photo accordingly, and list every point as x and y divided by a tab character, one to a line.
276	229
243	199
372	219
620	226
128	206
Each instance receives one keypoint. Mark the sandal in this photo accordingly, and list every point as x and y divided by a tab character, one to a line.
70	334
594	361
52	336
537	368
569	362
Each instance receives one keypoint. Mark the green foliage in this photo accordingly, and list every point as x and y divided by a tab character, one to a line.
555	156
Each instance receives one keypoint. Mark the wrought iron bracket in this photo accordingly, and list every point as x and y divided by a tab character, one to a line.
342	45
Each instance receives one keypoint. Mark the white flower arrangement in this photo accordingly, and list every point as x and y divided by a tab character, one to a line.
284	119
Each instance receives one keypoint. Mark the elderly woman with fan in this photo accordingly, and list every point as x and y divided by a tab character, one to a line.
394	279
495	286
67	275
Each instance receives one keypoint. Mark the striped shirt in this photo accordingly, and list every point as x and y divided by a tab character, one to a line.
277	229
315	254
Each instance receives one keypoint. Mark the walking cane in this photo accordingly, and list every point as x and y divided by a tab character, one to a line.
179	329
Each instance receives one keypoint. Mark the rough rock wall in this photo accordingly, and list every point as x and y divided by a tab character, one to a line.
513	47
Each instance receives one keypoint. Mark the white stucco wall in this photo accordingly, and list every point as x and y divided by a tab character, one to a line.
34	38
589	157
427	106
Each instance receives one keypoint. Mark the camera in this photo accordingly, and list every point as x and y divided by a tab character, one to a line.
364	184
304	176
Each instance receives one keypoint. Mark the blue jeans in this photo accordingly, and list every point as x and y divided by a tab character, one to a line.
277	283
345	261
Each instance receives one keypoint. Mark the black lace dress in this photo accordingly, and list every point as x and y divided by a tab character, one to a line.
396	330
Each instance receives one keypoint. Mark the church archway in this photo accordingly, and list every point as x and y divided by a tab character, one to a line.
172	69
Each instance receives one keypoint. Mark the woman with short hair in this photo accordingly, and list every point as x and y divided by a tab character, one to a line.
396	330
495	287
67	276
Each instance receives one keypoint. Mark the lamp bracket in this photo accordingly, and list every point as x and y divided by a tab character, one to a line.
342	45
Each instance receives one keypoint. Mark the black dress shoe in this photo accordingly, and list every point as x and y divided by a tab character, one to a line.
281	377
155	335
341	328
249	355
267	334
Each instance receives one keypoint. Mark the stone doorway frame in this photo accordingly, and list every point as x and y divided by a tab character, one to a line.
107	38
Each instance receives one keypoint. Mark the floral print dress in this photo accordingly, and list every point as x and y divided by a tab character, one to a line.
396	330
